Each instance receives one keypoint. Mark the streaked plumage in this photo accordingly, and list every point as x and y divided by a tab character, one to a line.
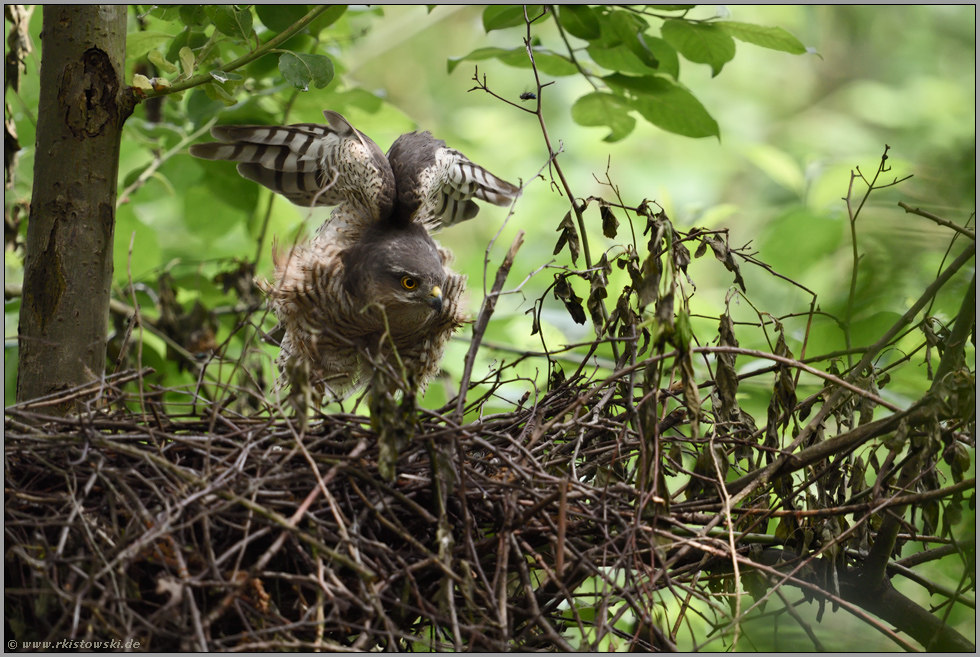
372	282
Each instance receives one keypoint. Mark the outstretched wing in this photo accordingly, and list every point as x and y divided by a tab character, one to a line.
310	164
436	184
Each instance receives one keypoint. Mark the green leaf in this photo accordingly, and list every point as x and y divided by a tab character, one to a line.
604	109
141	43
222	76
299	69
580	21
621	59
665	54
618	58
146	245
133	175
165	182
236	23
186	61
774	38
216	92
156	58
201	201
551	63
227	187
165	12
359	98
499	17
630	31
279	18
188	38
665	104
225	86
547	61
267	67
163	134
201	108
326	19
700	43
193	15
503	54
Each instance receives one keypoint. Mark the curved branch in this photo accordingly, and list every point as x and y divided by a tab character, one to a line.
888	604
939	220
885	602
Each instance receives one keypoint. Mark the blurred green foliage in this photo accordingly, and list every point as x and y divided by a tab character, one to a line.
786	132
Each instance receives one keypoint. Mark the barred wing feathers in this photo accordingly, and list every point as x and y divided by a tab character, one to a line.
436	184
310	164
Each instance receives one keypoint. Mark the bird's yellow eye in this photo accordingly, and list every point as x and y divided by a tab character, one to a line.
409	283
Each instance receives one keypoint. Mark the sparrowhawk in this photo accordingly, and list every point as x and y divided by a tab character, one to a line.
371	288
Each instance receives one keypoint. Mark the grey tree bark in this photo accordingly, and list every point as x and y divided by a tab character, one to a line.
83	104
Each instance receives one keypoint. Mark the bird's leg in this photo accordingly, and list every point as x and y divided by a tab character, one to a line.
301	393
442	487
394	422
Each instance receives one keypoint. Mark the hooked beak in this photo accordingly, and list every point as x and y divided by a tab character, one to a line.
435	299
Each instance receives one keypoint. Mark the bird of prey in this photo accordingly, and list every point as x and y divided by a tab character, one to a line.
371	289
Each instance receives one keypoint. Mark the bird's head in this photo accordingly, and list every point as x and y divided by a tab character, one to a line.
399	268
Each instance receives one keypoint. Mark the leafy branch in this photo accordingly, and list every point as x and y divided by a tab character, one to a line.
263	49
630	69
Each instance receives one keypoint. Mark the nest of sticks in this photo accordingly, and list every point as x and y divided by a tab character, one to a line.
223	532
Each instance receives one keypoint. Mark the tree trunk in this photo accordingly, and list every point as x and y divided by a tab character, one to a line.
68	272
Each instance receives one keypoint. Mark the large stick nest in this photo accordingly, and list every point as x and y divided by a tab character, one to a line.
217	531
223	532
